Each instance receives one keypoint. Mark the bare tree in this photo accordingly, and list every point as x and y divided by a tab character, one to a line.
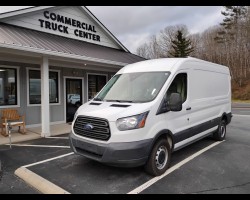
232	37
143	50
149	49
158	45
166	37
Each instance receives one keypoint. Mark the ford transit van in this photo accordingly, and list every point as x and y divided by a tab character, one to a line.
150	109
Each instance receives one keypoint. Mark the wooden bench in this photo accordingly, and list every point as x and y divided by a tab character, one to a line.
12	117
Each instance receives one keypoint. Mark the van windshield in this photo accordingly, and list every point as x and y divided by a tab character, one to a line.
133	87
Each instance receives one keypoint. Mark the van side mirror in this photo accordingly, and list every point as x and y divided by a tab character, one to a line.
175	102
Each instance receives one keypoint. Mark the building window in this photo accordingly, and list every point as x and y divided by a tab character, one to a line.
95	84
35	87
8	86
53	87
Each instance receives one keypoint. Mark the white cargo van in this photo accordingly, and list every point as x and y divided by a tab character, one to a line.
152	108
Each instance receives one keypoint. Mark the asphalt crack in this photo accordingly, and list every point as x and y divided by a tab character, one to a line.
222	188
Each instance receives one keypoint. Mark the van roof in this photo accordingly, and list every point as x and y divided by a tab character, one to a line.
162	64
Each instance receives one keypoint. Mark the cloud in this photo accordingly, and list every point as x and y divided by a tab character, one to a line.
134	40
133	24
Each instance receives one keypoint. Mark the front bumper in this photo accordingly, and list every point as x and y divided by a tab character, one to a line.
127	154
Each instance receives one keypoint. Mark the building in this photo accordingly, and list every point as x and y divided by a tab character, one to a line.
54	58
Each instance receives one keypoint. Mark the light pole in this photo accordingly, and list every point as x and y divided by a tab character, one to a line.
9	132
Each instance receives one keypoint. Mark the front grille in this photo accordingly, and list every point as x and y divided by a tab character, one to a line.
100	128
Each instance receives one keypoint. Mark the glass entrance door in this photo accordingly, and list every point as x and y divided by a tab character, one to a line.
73	97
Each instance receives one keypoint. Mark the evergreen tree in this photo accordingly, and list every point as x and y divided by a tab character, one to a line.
181	46
231	22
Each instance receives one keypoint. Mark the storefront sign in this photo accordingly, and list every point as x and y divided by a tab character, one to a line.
82	30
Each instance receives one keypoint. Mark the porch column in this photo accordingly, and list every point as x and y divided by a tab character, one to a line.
45	110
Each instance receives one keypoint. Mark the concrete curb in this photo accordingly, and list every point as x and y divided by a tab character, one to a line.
42	185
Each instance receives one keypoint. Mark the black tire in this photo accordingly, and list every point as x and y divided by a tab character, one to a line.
159	158
220	133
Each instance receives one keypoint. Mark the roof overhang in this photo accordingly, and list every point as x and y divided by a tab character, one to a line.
34	42
61	55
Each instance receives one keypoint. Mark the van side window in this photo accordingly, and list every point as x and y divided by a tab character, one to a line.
179	85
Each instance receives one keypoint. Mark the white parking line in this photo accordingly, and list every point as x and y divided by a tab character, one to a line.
240	115
170	170
47	160
46	146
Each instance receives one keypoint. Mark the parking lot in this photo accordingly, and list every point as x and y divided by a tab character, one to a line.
203	167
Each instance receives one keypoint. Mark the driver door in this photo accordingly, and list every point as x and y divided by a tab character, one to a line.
178	122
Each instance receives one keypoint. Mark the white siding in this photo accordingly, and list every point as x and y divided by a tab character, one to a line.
31	21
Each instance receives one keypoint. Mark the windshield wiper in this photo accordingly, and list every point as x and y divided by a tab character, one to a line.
97	99
120	101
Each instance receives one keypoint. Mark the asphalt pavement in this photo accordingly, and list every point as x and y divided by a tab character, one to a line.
241	108
221	169
11	159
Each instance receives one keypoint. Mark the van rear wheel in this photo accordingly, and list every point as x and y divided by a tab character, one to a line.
159	158
220	134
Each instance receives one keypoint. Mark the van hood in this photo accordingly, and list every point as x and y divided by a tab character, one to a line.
112	110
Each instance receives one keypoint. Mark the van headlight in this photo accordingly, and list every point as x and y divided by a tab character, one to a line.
133	122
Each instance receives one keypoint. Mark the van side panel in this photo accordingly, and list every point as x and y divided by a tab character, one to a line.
208	84
209	95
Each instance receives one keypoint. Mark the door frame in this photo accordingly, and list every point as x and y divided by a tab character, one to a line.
64	92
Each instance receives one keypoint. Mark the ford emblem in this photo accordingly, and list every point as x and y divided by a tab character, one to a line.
88	127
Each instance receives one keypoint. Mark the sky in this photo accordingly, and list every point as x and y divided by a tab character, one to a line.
133	25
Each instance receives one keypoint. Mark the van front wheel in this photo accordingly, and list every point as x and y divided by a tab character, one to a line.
220	134
159	158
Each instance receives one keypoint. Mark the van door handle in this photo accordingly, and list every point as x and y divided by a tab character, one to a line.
188	108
